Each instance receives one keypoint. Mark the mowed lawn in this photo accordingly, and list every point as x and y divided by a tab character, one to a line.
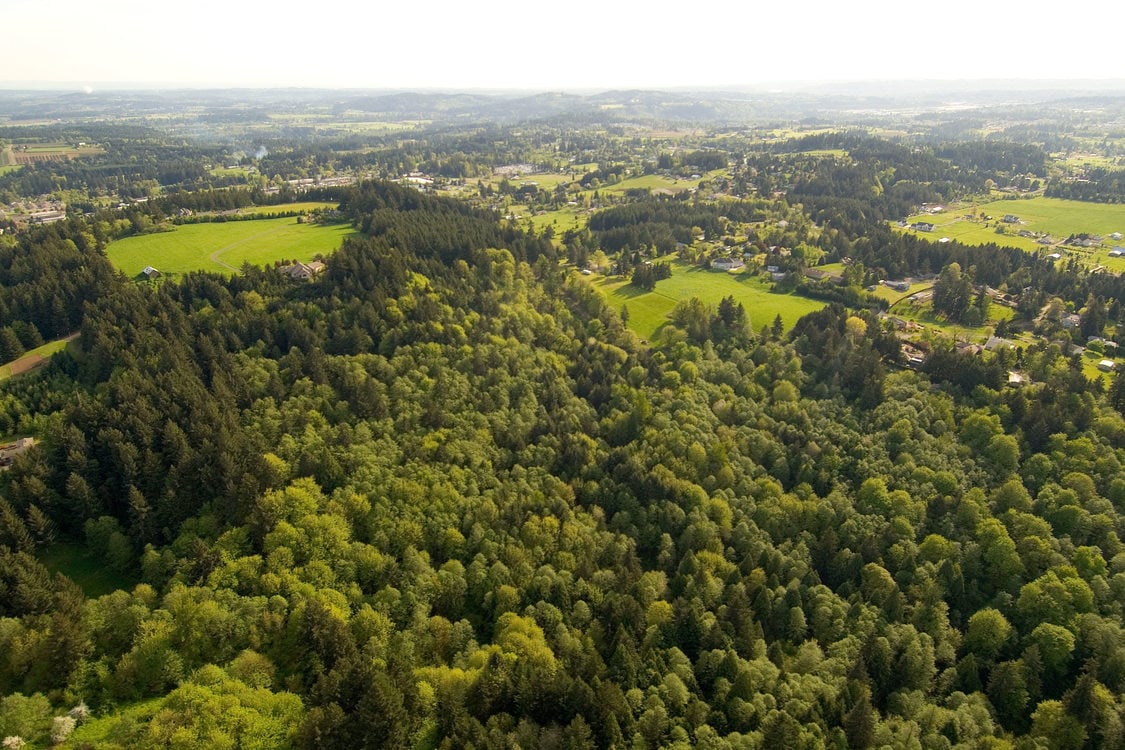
649	311
225	246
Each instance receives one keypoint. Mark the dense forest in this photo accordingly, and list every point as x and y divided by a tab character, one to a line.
442	497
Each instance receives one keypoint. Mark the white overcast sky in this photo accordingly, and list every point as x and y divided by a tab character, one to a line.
576	44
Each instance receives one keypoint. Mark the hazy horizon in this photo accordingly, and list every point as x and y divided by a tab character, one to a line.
504	45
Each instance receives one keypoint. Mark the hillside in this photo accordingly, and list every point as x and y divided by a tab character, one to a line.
441	497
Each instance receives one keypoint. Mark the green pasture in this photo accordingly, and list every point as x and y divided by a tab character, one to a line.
287	208
648	311
653	182
223	247
9	168
953	225
562	220
1090	160
1057	217
883	291
1060	218
923	315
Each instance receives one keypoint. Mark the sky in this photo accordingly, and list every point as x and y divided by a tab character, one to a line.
573	45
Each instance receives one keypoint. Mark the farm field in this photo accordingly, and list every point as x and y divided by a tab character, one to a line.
30	154
562	220
648	311
223	247
34	358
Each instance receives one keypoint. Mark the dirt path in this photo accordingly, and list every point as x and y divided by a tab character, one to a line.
214	257
29	362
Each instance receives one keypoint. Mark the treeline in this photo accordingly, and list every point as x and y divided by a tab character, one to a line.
663	223
432	226
46	279
1099	184
127	169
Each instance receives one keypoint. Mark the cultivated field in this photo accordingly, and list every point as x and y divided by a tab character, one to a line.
35	358
224	247
21	155
648	311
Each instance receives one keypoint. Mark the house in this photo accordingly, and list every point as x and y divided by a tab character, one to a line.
150	273
779	275
303	271
996	343
9	452
1017	378
1071	321
914	356
1054	256
1011	219
898	286
967	347
1107	365
1115	236
726	264
47	217
1117	252
922	226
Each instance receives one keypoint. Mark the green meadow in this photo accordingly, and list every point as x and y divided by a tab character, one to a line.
286	208
223	247
1054	216
648	311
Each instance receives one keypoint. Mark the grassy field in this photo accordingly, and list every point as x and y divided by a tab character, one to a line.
32	359
285	208
1058	218
89	572
648	311
225	246
923	315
